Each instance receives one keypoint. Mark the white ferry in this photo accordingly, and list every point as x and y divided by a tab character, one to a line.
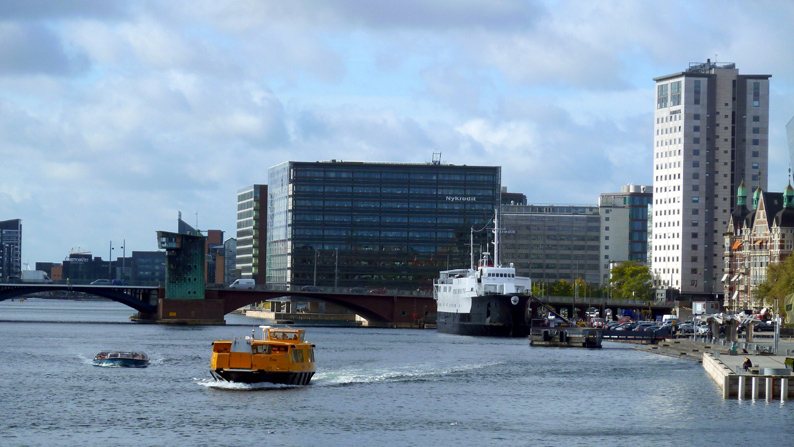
488	300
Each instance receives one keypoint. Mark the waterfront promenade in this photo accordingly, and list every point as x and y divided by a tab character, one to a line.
768	379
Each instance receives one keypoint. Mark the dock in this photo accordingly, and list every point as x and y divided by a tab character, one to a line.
565	337
770	378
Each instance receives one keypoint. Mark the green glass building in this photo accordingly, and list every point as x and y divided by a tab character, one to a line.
372	225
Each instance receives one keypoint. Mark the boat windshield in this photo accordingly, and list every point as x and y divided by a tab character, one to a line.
287	334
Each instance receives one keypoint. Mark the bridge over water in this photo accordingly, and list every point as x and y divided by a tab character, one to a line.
385	309
388	309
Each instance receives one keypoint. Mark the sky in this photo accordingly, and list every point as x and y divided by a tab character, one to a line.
117	115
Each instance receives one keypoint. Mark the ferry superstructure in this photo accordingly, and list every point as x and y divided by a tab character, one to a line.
488	300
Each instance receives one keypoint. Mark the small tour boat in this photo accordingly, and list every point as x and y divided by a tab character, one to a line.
118	358
280	356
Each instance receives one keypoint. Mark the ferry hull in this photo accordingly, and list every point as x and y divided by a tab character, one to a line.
490	316
259	376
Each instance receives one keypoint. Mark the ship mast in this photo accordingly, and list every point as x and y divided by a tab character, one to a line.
496	238
471	248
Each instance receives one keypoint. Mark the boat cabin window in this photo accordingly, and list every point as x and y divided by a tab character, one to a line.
221	347
261	349
281	335
279	349
297	355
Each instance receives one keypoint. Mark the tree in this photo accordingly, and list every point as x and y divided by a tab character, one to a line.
779	283
631	280
561	288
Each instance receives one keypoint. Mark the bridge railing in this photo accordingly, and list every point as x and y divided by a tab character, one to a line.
422	292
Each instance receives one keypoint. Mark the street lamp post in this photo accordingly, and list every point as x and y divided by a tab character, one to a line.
110	256
315	267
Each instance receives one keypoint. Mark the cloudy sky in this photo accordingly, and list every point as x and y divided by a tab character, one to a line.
115	116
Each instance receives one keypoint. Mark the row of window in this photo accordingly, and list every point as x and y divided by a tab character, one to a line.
364	174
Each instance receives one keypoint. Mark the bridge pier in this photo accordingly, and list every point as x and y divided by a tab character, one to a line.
186	311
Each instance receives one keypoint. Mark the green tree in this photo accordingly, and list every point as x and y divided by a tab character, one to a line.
561	288
779	283
631	280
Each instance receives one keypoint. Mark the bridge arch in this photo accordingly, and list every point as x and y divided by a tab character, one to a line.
133	297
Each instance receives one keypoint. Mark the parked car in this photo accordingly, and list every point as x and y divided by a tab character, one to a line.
378	291
358	290
764	327
100	282
119	282
311	289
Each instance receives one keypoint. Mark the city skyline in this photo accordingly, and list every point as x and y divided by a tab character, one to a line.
116	116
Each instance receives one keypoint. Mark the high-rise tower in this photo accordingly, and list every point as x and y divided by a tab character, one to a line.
711	128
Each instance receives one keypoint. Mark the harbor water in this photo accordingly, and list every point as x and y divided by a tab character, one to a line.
372	387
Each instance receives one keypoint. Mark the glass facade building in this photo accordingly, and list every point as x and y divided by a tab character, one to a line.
354	224
10	249
251	233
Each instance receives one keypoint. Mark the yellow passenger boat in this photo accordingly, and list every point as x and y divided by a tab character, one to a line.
281	356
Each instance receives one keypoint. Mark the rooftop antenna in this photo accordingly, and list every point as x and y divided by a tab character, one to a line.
436	158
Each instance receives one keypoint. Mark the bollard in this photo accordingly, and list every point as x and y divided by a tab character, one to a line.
741	387
783	389
754	388
770	388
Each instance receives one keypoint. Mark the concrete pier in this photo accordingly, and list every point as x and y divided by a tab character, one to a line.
767	382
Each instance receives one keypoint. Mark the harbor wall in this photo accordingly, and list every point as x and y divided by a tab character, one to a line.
747	386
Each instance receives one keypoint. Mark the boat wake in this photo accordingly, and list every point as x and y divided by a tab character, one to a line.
234	386
418	373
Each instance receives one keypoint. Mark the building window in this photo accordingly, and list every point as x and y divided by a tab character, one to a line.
661	96
695	164
697	117
755	141
756	130
695	175
696	129
697	94
694	223
696	140
675	93
756	94
755	153
695	187
695	199
755	165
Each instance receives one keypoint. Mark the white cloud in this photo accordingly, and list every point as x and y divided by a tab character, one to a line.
116	115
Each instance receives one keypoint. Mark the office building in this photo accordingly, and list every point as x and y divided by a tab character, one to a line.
549	243
230	260
354	224
252	233
624	226
710	133
10	249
